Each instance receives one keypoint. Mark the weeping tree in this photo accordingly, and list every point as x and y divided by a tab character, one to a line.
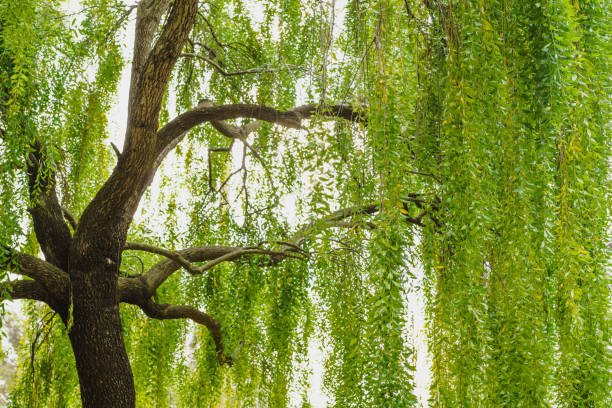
287	169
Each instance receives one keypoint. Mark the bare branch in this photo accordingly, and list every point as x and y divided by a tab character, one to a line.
185	258
175	256
166	311
204	112
162	270
249	71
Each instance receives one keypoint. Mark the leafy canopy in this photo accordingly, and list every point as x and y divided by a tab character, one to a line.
485	150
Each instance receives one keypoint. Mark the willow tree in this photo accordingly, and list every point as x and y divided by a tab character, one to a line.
285	166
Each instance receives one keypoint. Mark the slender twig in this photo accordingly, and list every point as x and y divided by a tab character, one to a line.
175	256
116	149
70	218
223	72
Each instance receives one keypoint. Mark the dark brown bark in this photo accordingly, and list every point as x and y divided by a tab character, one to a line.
51	230
95	255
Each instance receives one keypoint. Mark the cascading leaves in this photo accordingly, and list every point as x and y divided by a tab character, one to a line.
487	125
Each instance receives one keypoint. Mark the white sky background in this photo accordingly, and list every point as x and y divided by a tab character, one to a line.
415	317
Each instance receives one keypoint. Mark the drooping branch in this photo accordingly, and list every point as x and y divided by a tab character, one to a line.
51	230
166	311
135	291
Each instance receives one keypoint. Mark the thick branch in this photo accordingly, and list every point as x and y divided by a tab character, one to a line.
185	258
51	230
174	256
107	218
26	289
148	17
162	270
135	291
166	311
54	280
204	112
153	78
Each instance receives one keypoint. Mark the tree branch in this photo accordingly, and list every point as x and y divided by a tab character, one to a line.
185	258
174	256
155	66
51	230
108	216
148	17
166	311
206	112
135	291
249	71
158	273
26	289
51	278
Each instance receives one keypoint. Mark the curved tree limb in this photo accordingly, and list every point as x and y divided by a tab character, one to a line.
166	311
206	112
185	258
159	272
135	291
172	255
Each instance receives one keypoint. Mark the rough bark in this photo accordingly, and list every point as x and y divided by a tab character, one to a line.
95	255
51	230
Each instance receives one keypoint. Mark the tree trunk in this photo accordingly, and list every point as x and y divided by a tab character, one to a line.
105	375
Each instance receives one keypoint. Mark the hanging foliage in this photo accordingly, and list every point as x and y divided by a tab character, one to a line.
291	174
